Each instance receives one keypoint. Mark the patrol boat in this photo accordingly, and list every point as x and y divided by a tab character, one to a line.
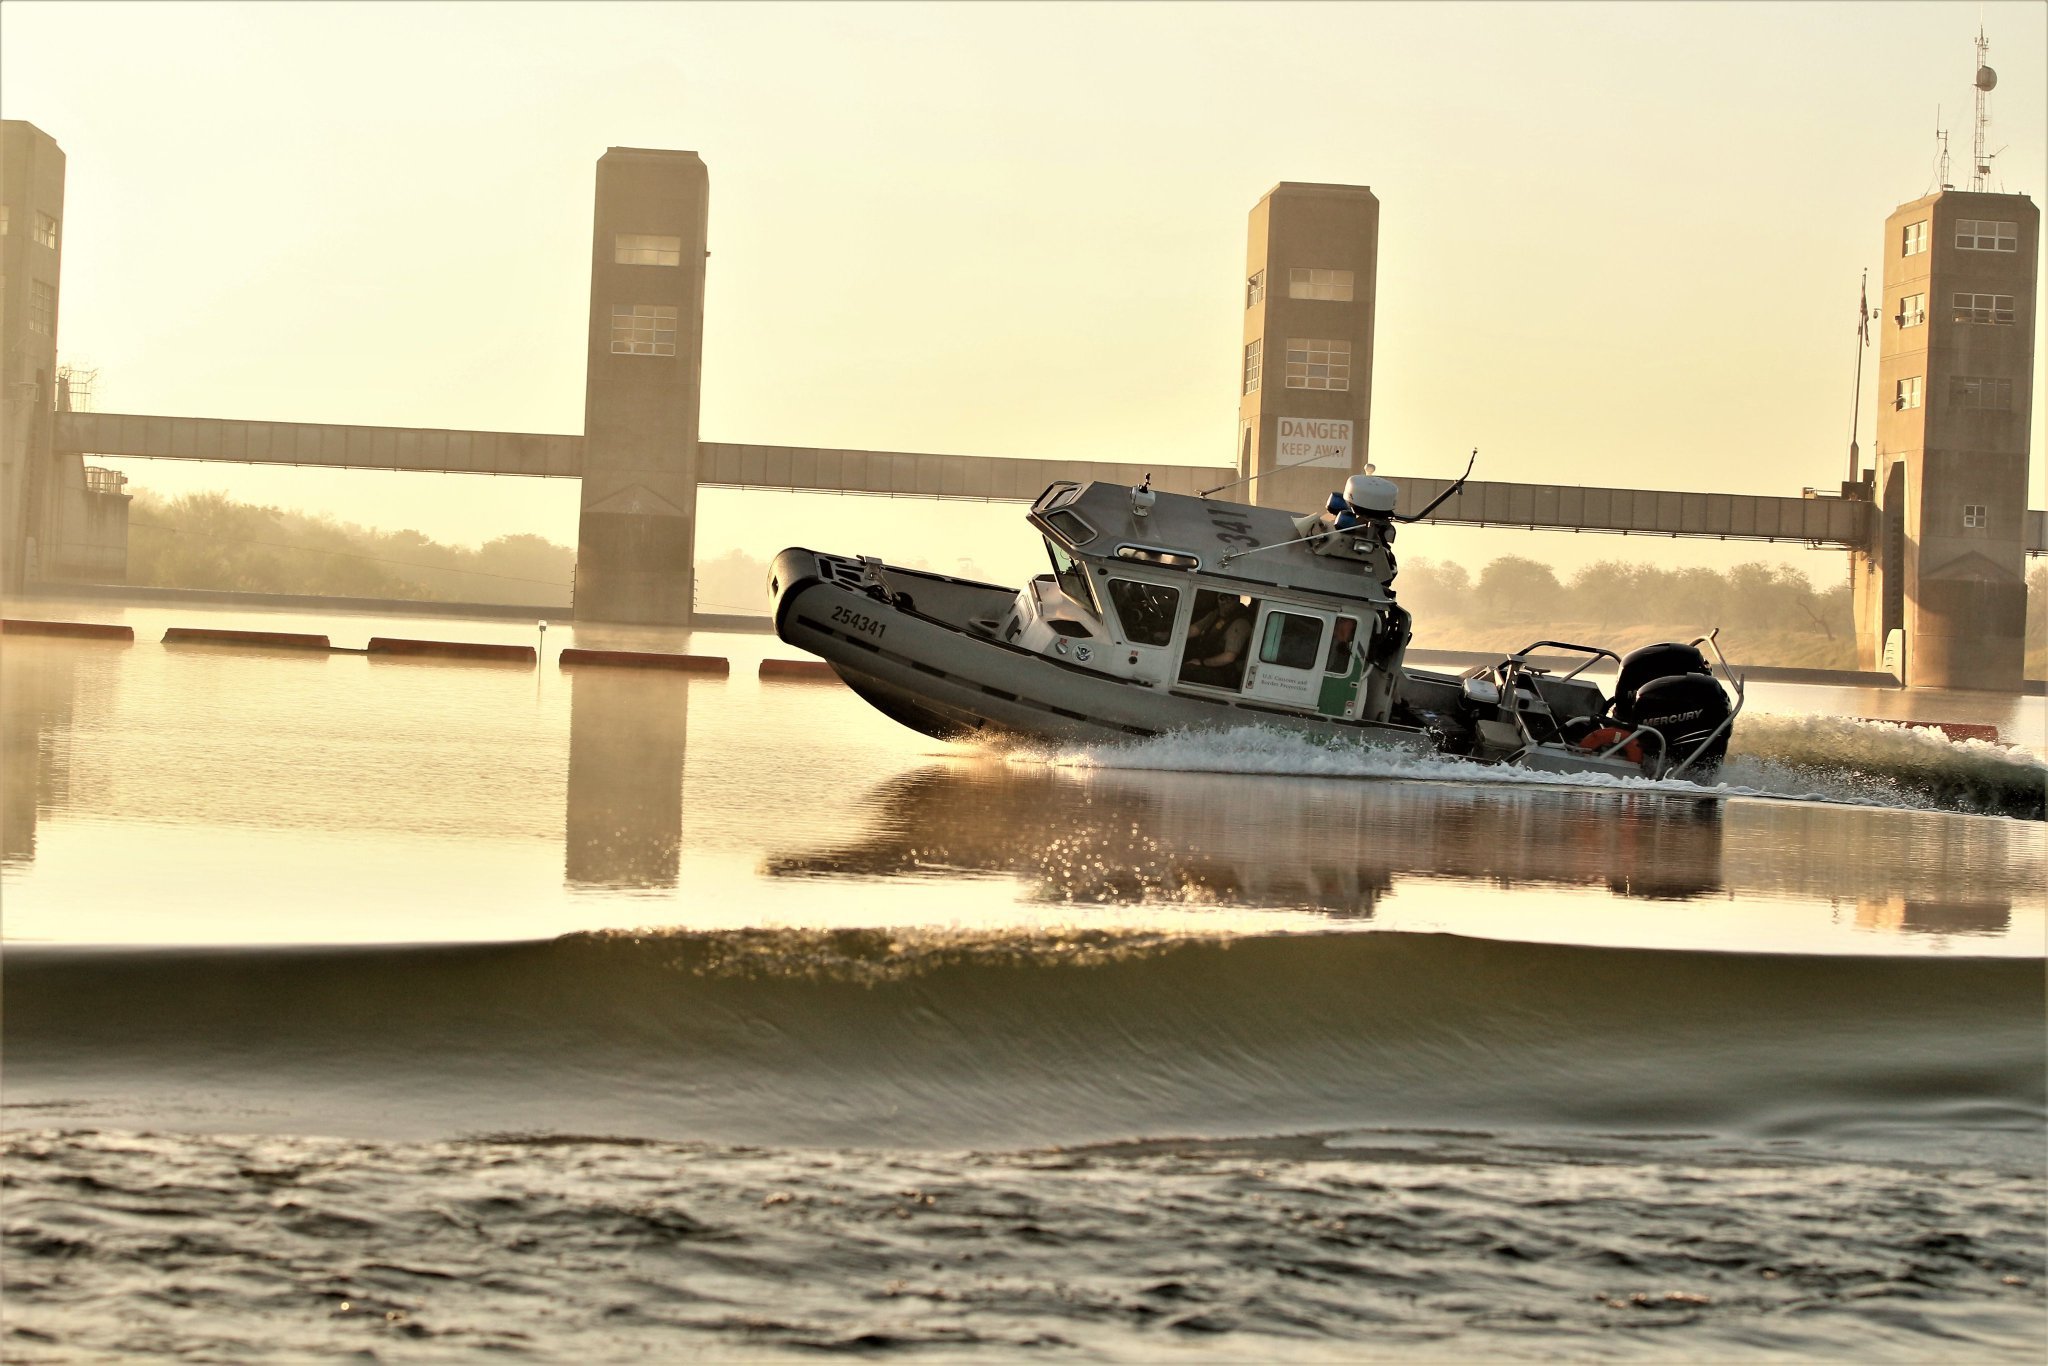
1165	612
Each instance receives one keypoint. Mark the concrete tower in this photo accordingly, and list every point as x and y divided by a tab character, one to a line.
1941	593
31	246
638	527
1312	259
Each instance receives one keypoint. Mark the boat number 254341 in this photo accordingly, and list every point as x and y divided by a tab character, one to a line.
846	616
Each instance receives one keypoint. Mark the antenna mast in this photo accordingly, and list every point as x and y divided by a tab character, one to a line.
1986	80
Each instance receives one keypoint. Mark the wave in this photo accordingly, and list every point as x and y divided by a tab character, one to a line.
937	1039
1809	758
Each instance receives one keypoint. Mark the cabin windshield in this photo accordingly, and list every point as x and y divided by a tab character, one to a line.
1072	576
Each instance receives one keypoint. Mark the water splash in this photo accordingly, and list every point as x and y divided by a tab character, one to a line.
1808	758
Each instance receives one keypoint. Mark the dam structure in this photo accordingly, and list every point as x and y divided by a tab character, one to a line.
1940	598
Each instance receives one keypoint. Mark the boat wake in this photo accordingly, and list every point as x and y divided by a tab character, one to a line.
1801	758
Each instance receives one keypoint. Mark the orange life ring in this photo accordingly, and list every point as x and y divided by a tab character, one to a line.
1606	738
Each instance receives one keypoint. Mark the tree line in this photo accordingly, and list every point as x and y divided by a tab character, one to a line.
1769	613
209	540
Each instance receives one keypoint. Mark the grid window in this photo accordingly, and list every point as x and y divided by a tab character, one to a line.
1981	234
1908	395
1976	516
1912	310
1913	238
1254	361
1984	308
1980	393
1313	363
46	229
42	308
1313	282
643	249
1255	289
643	330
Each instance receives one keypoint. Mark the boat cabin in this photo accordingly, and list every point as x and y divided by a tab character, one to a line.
1214	599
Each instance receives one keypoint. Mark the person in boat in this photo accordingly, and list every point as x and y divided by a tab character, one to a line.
1217	642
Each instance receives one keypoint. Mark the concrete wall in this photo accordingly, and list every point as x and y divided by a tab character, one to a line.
1948	575
1307	227
637	532
32	192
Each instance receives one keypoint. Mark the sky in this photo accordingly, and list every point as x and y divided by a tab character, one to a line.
1620	244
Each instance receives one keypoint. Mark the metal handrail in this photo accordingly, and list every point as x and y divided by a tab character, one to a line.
1735	681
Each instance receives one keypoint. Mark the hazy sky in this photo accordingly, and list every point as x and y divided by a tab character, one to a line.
1620	244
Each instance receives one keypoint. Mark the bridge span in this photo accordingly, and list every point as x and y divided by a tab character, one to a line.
1936	526
1819	521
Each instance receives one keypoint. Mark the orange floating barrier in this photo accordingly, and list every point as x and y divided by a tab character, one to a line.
796	668
452	649
84	630
644	659
269	640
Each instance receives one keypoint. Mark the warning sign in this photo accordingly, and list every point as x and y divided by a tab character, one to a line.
1313	441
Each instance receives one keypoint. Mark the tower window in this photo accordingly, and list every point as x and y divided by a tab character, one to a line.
644	249
1908	395
46	230
1254	361
1912	310
643	330
1313	282
1976	516
42	308
1980	234
1980	393
1313	363
1254	290
1913	238
1984	308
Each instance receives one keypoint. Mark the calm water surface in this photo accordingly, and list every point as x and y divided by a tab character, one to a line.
428	1008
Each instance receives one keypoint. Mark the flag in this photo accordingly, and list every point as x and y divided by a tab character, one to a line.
1863	317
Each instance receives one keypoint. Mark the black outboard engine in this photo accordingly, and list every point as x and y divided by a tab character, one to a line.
1686	709
1647	665
1671	687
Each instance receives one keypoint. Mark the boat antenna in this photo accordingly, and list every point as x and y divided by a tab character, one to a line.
1326	531
1246	479
1438	501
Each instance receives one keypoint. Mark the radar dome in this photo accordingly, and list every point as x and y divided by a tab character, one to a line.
1987	79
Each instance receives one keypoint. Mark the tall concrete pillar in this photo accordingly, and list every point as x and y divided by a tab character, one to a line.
1311	268
1946	567
31	251
636	540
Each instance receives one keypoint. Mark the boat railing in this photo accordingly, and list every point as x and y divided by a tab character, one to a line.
1734	681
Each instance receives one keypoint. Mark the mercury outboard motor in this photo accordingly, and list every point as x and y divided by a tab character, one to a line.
1686	708
1648	664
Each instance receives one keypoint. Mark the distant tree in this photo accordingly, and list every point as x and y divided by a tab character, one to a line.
1516	588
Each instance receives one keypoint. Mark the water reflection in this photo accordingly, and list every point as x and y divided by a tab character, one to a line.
1084	837
39	691
1335	847
628	732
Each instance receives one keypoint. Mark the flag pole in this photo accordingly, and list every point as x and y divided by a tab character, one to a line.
1856	402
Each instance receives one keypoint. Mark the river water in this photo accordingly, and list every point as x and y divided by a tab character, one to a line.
428	1009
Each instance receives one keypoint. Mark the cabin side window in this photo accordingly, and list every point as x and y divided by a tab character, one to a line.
1341	641
1219	639
1146	610
1073	577
1291	642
